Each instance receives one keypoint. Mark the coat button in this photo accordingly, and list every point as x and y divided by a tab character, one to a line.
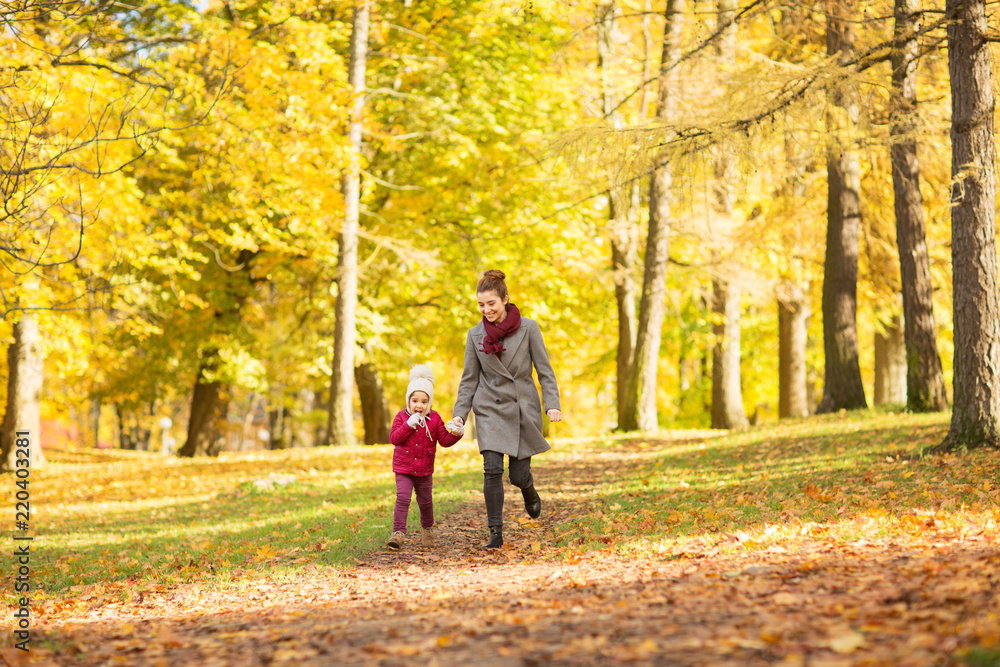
496	383
498	400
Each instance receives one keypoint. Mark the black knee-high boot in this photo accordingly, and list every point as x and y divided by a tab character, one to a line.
493	494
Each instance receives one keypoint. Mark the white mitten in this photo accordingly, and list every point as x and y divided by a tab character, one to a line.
453	428
415	420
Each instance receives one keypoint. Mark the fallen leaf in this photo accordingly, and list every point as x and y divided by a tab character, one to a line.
846	640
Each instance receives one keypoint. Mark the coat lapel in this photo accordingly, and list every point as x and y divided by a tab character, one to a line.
511	344
490	359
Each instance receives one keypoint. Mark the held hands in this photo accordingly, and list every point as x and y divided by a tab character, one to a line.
415	420
554	415
456	426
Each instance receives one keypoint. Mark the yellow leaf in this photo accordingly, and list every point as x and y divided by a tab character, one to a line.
263	553
846	640
784	598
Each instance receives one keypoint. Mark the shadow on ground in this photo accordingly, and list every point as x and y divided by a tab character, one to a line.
873	601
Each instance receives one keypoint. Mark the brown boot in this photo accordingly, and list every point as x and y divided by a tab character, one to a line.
427	536
397	539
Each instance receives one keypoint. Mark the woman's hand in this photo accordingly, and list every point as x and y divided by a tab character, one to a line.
554	415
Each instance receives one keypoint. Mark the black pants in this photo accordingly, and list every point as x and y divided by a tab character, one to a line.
520	476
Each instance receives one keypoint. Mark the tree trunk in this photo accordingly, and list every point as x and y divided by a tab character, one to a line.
925	389
305	430
890	364
842	387
209	408
727	395
624	232
321	430
640	400
95	420
277	426
340	428
976	410
124	437
793	325
25	369
725	21
374	407
624	256
727	392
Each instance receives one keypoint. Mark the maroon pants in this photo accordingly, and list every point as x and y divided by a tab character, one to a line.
405	486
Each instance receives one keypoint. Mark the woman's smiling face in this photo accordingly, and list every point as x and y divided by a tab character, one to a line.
493	308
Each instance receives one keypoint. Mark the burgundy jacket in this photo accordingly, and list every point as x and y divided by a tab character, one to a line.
414	453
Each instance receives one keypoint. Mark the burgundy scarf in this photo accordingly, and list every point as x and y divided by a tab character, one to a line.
495	333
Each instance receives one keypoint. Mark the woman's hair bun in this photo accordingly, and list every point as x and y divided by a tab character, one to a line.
422	372
493	281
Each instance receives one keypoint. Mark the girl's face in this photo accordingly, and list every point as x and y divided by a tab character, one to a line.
418	402
492	306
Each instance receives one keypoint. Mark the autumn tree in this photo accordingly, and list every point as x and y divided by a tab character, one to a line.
727	392
239	206
623	229
83	96
341	420
925	390
975	418
842	387
640	401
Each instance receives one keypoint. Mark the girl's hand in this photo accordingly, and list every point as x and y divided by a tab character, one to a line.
414	420
554	415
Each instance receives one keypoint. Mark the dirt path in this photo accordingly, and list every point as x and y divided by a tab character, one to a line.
456	605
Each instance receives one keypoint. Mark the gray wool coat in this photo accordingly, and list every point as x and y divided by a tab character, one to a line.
502	392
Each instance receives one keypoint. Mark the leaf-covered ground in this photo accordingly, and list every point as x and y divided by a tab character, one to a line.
818	542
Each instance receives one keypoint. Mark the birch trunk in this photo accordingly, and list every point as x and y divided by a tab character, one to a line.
623	231
890	364
793	326
640	400
727	390
340	425
25	370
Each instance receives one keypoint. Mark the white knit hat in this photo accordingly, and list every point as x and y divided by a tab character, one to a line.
421	379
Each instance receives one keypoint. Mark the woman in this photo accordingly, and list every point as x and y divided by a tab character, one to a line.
497	384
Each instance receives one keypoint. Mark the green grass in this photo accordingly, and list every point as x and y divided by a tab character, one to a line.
846	476
131	520
126	521
983	657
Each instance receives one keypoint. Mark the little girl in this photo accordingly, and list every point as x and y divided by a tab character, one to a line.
415	432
